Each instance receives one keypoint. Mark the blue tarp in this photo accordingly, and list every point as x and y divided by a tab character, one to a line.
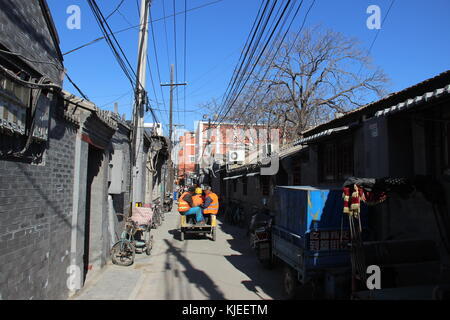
302	208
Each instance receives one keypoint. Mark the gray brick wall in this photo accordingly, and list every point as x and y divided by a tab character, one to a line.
24	29
35	220
121	202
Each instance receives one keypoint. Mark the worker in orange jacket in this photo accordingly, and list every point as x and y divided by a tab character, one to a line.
211	203
198	197
187	207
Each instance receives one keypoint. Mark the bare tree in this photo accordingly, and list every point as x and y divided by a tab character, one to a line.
311	78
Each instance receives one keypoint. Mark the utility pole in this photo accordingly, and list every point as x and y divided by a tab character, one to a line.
169	162
138	164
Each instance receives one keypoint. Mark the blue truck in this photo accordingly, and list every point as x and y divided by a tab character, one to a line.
310	237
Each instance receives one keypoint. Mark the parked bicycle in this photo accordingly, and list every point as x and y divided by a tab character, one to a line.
134	237
158	215
234	214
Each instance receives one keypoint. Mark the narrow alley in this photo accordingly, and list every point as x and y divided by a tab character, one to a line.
309	139
195	269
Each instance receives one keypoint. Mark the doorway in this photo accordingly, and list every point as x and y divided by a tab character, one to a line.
95	157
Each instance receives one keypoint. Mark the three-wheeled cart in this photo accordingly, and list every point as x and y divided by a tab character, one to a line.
187	225
310	237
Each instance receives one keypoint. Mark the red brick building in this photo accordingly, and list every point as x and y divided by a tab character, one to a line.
186	157
215	141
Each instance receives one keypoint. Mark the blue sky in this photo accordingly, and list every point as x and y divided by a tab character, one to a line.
411	47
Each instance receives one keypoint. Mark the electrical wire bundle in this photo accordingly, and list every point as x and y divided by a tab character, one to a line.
265	39
113	43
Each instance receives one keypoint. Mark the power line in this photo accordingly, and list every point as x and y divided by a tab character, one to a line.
167	41
245	50
148	60
157	62
115	10
151	80
240	87
378	32
254	51
119	56
176	55
258	33
287	53
136	26
116	99
185	37
76	87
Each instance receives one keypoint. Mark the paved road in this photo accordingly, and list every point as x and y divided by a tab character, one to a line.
195	269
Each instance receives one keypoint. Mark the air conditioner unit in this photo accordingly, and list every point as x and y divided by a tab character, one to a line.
236	156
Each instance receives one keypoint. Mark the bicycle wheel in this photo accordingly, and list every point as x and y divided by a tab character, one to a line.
155	221
148	242
160	217
122	253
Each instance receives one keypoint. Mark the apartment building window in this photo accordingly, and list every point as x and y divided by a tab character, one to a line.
336	160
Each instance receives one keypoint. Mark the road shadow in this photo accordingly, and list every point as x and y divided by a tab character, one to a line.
261	279
176	235
197	277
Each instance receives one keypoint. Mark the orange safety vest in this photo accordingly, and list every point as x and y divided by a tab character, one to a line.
197	200
213	208
183	206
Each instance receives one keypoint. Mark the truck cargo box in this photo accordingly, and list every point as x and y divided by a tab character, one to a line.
310	230
303	208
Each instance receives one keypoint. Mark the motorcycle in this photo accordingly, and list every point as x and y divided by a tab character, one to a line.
260	237
168	203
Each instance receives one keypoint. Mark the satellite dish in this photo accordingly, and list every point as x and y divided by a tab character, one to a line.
205	116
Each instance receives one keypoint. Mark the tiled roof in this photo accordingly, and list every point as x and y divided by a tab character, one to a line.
320	135
430	85
413	102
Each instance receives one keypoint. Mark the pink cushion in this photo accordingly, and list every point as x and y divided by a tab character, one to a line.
142	215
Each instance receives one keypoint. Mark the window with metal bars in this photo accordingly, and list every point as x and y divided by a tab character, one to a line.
336	160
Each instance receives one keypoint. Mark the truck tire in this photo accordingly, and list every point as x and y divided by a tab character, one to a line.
290	283
266	263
